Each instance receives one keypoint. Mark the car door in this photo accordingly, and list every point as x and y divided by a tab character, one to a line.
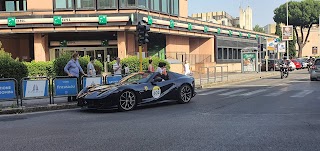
157	91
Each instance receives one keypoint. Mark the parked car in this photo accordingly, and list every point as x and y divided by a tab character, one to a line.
315	70
273	64
138	89
297	64
303	62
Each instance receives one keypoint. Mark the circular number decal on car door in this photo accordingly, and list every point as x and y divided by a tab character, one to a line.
156	91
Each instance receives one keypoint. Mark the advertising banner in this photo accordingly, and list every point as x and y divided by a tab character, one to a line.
7	90
88	81
287	33
113	79
270	44
249	60
282	47
35	88
66	87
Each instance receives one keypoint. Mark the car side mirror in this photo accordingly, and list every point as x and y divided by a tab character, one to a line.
155	80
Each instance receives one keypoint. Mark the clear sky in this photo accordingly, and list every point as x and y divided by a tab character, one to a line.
262	10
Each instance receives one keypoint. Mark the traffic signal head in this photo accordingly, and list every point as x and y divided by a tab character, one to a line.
142	31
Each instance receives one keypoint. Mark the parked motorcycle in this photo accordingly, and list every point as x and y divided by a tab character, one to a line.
284	71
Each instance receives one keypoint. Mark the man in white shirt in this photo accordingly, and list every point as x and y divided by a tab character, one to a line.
117	68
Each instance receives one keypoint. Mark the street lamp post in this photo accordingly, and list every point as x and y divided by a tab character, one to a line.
287	25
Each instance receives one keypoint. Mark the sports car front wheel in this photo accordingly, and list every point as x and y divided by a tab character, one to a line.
127	101
185	93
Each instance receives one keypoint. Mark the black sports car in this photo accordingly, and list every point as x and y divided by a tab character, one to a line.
137	89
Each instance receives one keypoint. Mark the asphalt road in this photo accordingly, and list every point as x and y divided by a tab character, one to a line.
267	114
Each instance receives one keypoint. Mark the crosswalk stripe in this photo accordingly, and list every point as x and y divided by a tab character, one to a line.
276	93
233	92
213	92
302	94
253	92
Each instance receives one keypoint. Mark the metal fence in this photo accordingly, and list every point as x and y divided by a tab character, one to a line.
212	74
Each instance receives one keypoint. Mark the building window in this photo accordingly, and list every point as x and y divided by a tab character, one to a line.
131	3
13	5
143	4
239	53
219	53
156	5
174	7
106	4
85	4
225	53
235	56
164	6
63	4
230	53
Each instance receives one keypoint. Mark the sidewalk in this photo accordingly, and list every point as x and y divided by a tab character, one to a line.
232	78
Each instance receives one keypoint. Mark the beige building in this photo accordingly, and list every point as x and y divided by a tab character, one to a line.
270	28
313	42
221	17
245	18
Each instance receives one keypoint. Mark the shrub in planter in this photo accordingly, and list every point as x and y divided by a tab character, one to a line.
40	68
134	64
60	63
11	68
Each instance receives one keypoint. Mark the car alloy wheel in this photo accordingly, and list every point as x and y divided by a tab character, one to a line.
185	94
127	101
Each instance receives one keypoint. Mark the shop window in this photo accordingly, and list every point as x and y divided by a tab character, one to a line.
239	53
85	4
14	5
164	6
106	4
63	4
143	4
230	53
225	53
235	56
219	53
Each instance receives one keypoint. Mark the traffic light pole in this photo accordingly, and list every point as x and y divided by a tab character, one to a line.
140	56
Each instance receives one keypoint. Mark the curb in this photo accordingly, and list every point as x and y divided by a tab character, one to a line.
49	107
251	78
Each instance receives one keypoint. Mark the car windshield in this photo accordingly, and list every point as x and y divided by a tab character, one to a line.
141	77
317	62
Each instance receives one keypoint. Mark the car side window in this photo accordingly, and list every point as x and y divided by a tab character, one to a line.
317	62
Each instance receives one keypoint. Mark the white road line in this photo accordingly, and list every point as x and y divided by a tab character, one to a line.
213	92
302	94
276	93
233	92
253	92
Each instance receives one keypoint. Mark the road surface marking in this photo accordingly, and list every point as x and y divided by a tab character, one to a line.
253	92
233	92
302	94
213	92
276	93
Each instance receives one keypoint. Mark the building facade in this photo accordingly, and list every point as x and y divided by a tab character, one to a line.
245	18
221	17
42	30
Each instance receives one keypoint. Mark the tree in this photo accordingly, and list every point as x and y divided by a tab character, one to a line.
278	31
302	15
257	28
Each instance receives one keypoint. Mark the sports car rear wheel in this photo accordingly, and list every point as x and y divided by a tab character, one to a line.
185	94
127	101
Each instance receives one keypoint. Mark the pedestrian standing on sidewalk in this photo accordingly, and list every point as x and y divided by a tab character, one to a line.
117	68
73	69
91	71
150	67
187	68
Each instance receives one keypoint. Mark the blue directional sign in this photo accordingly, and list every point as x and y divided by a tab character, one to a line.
66	87
7	90
113	79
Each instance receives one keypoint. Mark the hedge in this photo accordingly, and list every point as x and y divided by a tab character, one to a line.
134	64
40	68
60	63
11	68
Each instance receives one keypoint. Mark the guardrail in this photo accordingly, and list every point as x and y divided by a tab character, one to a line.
213	74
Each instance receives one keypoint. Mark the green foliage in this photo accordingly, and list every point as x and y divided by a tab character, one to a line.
302	14
134	64
11	68
40	68
278	31
257	28
60	63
